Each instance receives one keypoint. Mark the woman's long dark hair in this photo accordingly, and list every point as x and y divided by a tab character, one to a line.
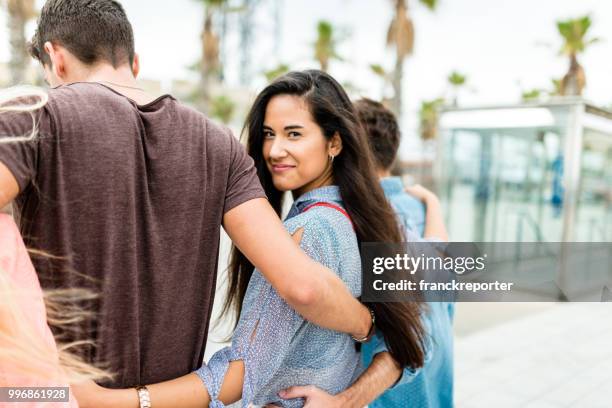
362	196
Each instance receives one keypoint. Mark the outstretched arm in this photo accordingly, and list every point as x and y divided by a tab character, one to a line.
186	392
312	290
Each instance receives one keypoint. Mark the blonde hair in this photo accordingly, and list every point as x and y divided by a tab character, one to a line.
29	353
24	99
21	347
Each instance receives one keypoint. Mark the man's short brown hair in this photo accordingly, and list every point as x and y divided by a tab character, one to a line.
92	30
381	129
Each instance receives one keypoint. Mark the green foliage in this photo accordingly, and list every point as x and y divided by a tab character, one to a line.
457	79
429	109
222	108
557	87
213	3
574	32
430	4
531	95
379	70
428	115
279	70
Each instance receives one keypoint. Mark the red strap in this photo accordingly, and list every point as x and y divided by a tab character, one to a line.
329	205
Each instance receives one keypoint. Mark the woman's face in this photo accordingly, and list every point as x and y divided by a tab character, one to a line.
296	152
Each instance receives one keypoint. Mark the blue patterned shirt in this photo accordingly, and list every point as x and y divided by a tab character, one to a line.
278	347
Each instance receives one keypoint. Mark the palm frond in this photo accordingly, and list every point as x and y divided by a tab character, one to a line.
457	79
574	32
379	70
430	4
279	70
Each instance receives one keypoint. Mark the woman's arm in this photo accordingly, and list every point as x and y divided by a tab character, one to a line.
185	392
312	290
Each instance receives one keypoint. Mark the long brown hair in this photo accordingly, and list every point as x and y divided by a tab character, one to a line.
362	196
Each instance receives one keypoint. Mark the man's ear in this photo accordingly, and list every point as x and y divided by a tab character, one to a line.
58	59
335	145
136	66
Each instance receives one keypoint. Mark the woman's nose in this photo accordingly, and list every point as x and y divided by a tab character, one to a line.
278	149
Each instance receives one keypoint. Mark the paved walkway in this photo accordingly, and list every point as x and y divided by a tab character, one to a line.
560	356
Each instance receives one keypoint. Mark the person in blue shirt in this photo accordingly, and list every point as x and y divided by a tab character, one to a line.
431	386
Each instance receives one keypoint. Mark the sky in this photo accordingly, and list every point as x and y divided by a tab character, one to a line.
502	46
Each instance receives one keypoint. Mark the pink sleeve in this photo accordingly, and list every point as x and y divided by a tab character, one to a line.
16	265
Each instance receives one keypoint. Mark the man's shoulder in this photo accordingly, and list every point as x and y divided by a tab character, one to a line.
403	199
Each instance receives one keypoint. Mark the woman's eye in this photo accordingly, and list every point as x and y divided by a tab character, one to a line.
268	135
294	134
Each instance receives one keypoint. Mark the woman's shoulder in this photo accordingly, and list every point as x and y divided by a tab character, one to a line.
323	218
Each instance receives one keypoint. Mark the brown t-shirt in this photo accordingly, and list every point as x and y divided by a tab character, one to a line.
133	197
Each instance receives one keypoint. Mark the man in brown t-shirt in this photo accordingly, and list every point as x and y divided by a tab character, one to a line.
128	194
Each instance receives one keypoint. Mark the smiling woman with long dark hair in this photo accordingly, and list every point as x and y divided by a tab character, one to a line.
305	138
352	171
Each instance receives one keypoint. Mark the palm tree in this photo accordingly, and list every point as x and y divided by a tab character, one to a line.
210	64
325	45
401	36
456	81
428	116
19	13
574	33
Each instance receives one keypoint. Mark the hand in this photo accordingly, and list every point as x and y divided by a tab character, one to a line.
421	193
89	394
313	396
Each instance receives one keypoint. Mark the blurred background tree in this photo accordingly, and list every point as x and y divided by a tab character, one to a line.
428	118
575	42
210	63
280	69
400	35
325	46
222	108
19	13
457	81
532	95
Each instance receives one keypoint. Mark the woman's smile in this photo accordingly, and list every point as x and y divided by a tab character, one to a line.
282	168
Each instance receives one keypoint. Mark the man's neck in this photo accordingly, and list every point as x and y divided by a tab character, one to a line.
383	173
121	80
